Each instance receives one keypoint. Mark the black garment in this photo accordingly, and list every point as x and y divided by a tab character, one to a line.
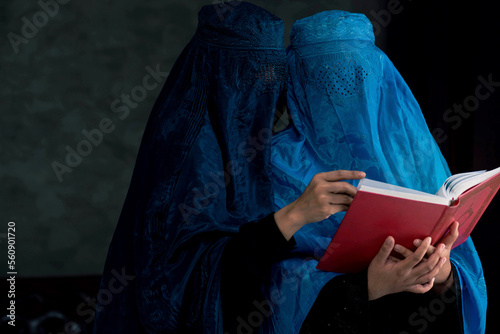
245	265
342	305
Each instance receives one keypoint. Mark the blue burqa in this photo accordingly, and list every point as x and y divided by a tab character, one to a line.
351	110
206	166
202	171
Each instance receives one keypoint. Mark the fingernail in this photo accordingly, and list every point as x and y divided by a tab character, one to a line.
429	239
397	248
362	174
388	241
417	242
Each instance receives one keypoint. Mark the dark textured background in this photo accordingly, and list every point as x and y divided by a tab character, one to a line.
64	78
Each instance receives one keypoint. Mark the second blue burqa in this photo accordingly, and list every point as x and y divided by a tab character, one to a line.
351	110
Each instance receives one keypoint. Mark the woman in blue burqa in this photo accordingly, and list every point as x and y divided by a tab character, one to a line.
224	222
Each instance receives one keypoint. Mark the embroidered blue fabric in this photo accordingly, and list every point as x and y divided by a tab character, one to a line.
352	110
203	170
206	166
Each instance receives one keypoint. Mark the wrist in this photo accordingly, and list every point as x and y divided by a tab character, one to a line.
444	286
374	291
288	221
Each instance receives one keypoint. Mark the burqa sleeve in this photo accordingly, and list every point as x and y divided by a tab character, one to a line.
246	263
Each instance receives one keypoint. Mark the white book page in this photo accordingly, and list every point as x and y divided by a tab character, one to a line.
464	184
401	192
453	187
445	190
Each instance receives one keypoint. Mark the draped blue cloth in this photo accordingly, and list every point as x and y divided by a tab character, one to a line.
206	166
351	110
203	170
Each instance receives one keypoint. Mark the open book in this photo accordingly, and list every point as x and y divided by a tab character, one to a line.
380	209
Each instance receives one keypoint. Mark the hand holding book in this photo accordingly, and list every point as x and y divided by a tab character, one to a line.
444	278
325	195
387	274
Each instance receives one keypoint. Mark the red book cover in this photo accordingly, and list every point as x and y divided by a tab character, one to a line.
372	217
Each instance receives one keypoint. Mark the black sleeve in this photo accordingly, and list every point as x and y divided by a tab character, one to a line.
245	265
343	307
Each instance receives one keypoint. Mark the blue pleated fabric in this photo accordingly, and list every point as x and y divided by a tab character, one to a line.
351	110
203	170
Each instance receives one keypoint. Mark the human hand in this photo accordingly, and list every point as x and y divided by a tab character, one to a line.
324	196
444	278
387	274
